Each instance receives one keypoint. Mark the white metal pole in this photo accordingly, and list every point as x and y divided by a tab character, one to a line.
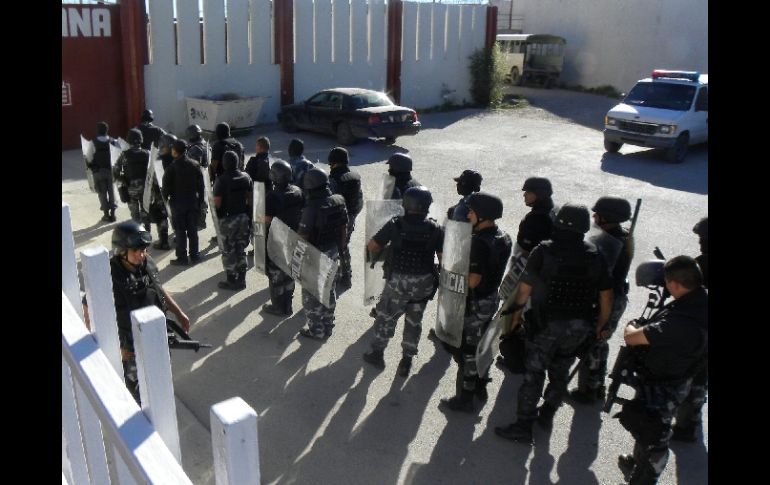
234	442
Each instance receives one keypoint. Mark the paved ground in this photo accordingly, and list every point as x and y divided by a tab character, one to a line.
327	417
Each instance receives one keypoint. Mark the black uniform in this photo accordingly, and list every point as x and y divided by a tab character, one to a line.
151	133
102	170
183	184
536	225
347	183
234	187
284	203
403	182
131	170
258	168
218	149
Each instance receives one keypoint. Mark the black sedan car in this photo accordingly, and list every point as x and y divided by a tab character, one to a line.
350	114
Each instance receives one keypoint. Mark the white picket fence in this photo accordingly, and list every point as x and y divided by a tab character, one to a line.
106	437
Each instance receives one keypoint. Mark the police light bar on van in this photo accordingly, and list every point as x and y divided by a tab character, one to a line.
689	75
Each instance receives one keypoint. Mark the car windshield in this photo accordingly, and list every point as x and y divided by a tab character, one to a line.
369	100
676	97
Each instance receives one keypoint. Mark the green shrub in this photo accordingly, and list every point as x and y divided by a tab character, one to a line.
487	77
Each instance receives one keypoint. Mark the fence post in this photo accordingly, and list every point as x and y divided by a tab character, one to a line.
491	31
69	266
92	438
69	416
156	386
234	442
101	304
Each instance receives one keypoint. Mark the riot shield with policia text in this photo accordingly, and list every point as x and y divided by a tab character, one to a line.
147	194
259	229
306	264
378	213
88	155
453	282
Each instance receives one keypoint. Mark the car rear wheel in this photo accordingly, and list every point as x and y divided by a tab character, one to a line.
344	135
676	153
611	146
290	124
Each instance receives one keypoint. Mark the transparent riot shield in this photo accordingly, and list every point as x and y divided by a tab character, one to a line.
387	184
453	282
437	212
147	194
88	155
123	144
157	165
306	265
378	213
213	209
608	246
259	227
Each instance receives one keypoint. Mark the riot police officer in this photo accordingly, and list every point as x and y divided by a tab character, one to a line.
151	132
299	164
467	183
536	225
324	225
675	341
157	211
232	200
414	239
102	169
612	242
688	414
183	185
284	202
131	172
347	183
570	277
135	284
401	169
223	143
490	249
199	151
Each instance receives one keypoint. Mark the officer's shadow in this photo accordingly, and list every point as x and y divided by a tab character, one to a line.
582	446
82	236
691	461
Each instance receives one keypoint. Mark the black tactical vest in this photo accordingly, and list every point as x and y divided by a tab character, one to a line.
348	185
291	202
150	134
136	163
414	244
571	275
101	154
238	185
331	214
500	246
133	291
198	152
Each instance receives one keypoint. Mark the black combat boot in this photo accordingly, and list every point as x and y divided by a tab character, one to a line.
230	284
684	433
626	464
276	307
162	242
112	215
462	402
106	216
643	474
375	358
587	396
287	304
240	280
520	431
404	366
545	415
481	388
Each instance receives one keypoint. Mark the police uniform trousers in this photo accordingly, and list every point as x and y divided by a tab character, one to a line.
235	236
346	271
478	314
281	286
320	320
688	414
184	219
592	373
135	201
104	189
404	294
651	449
552	348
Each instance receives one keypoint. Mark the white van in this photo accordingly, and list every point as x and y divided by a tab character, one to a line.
668	110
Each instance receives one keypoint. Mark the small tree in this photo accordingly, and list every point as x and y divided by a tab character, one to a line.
487	77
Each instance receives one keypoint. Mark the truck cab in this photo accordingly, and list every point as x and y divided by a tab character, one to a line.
668	110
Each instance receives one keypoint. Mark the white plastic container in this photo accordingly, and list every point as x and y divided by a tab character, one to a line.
240	114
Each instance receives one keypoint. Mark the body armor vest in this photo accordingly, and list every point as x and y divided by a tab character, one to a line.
414	245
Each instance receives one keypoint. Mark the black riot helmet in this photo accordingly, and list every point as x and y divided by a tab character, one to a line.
193	132
296	147
222	131
134	137
469	180
486	206
400	163
613	209
101	128
180	146
650	273
129	235
230	161
573	218
167	141
280	172
702	228
540	186
338	155
315	178
147	115
417	200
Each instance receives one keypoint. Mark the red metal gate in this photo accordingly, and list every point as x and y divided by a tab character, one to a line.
92	72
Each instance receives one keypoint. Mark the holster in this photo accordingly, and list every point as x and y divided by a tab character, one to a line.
643	424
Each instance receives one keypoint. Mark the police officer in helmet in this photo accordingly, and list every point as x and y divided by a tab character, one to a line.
323	224
183	185
102	170
567	279
490	250
136	284
400	166
468	183
151	132
198	150
131	172
347	183
414	239
224	142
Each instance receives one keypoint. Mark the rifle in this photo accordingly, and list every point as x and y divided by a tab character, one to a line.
624	370
174	331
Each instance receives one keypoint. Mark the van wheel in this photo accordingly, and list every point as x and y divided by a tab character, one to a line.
515	76
676	153
611	146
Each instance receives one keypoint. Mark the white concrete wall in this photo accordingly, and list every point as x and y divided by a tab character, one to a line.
617	42
327	54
